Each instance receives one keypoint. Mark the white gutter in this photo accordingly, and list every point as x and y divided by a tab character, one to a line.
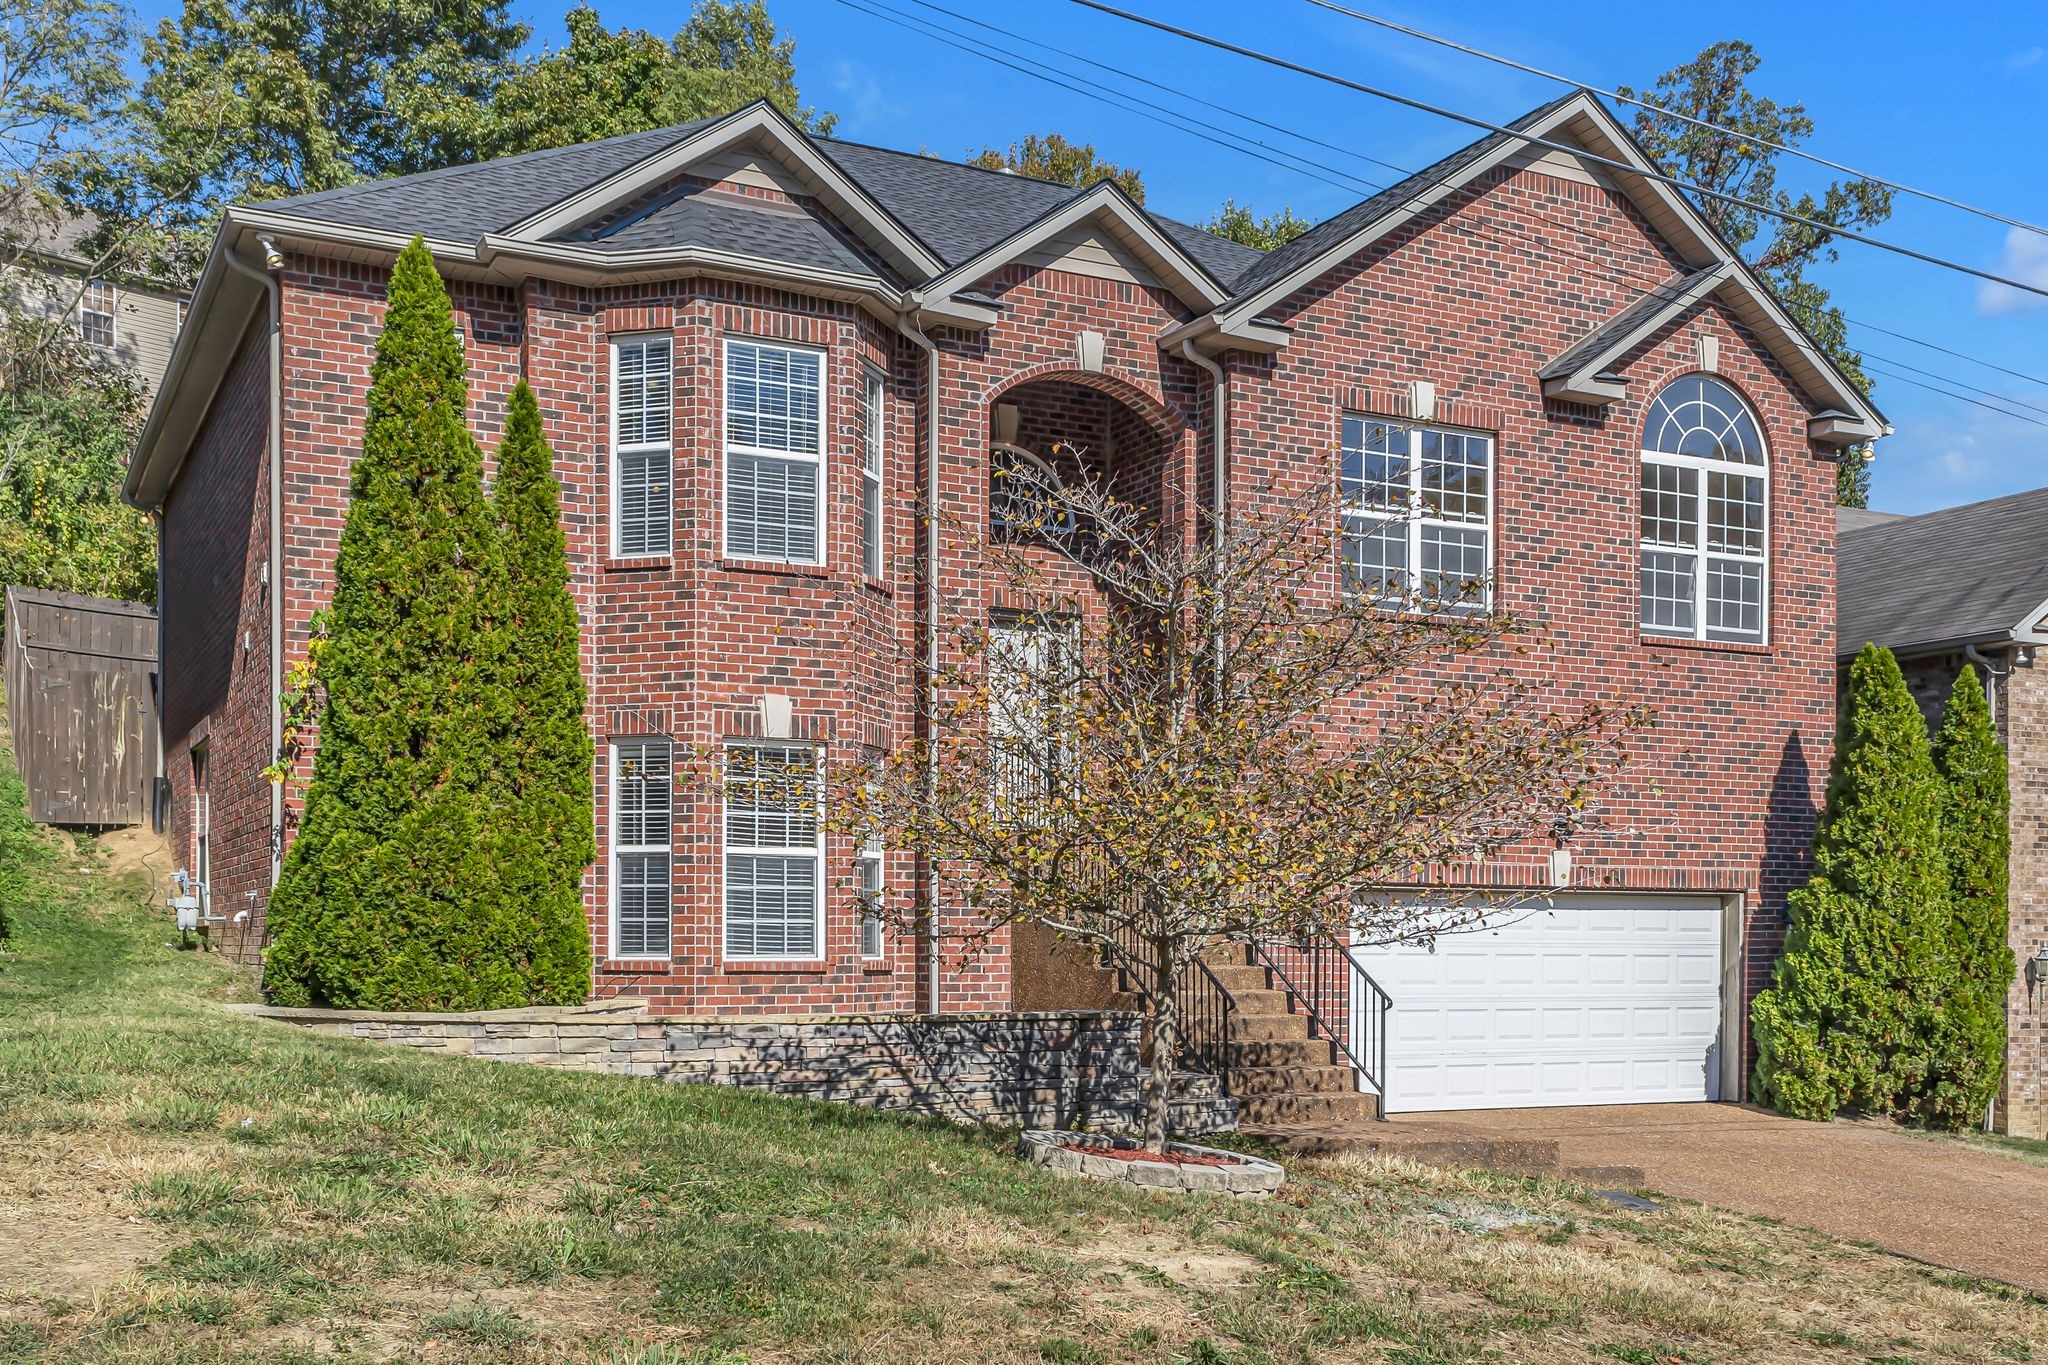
273	569
931	632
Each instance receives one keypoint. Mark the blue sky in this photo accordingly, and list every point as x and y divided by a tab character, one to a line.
1957	104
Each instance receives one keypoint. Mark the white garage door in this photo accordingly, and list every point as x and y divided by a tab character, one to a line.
1604	999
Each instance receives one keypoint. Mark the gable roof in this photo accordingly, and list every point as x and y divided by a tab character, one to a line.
1601	347
464	202
1578	124
1963	575
1335	233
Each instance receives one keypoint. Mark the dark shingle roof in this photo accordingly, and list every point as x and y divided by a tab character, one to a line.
1961	574
1621	324
1279	264
1856	518
957	210
464	202
729	223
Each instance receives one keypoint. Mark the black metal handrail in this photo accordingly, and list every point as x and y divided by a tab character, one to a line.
1204	1006
1330	971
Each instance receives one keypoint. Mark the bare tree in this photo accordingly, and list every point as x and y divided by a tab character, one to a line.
1228	737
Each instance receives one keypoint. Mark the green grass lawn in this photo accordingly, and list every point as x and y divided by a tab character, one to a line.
178	1183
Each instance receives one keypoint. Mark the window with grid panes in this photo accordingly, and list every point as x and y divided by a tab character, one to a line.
1418	514
872	438
1705	484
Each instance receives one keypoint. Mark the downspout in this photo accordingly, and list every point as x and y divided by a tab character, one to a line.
1993	671
931	635
1219	474
273	569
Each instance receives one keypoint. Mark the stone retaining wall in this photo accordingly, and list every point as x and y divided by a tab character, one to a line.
1054	1070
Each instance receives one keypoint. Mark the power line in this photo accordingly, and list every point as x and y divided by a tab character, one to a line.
1409	101
1950	379
1147	109
1175	119
1959	355
1656	108
1961	398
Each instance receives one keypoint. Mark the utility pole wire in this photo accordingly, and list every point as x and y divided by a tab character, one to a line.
1656	108
1581	153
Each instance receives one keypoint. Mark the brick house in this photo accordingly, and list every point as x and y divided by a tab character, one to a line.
1967	587
757	350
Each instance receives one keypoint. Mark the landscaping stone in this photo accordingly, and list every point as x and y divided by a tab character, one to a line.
1029	1070
1067	1153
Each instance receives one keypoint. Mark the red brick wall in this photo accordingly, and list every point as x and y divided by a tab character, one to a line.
1722	796
1722	793
216	640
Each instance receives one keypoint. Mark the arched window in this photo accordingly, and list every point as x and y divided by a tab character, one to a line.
1704	502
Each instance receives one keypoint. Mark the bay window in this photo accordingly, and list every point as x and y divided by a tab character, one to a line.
774	851
774	453
642	452
643	801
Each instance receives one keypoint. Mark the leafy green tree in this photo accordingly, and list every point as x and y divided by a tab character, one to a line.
1846	1020
416	881
1239	224
547	757
63	451
1052	157
1714	87
1976	833
611	81
247	100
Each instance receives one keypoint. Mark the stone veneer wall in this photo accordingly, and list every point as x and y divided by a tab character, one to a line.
1051	1070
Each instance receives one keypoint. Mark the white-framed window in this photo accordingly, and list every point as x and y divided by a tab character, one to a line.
873	887
774	852
96	305
643	451
774	453
643	831
873	442
1418	514
1705	507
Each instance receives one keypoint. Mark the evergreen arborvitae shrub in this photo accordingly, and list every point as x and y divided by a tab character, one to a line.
546	760
1846	1020
1969	1041
412	883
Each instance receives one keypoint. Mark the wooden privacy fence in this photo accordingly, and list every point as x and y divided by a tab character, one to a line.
80	700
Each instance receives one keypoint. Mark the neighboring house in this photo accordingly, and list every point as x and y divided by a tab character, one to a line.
123	321
1959	588
755	349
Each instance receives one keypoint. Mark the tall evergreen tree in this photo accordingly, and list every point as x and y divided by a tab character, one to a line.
1976	833
1845	1022
547	757
410	884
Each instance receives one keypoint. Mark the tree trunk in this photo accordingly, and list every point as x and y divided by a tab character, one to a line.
1165	1044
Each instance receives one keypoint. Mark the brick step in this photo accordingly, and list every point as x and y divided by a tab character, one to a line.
1296	1051
1197	1085
1264	1027
1279	1111
1290	1080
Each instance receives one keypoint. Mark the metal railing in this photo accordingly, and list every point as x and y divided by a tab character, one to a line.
1204	1006
1344	1005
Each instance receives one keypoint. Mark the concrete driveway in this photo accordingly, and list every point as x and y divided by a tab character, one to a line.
1936	1201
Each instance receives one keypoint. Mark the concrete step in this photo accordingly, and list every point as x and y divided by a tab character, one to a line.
1238	977
1266	1026
1291	1080
1297	1051
1197	1085
1288	1110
